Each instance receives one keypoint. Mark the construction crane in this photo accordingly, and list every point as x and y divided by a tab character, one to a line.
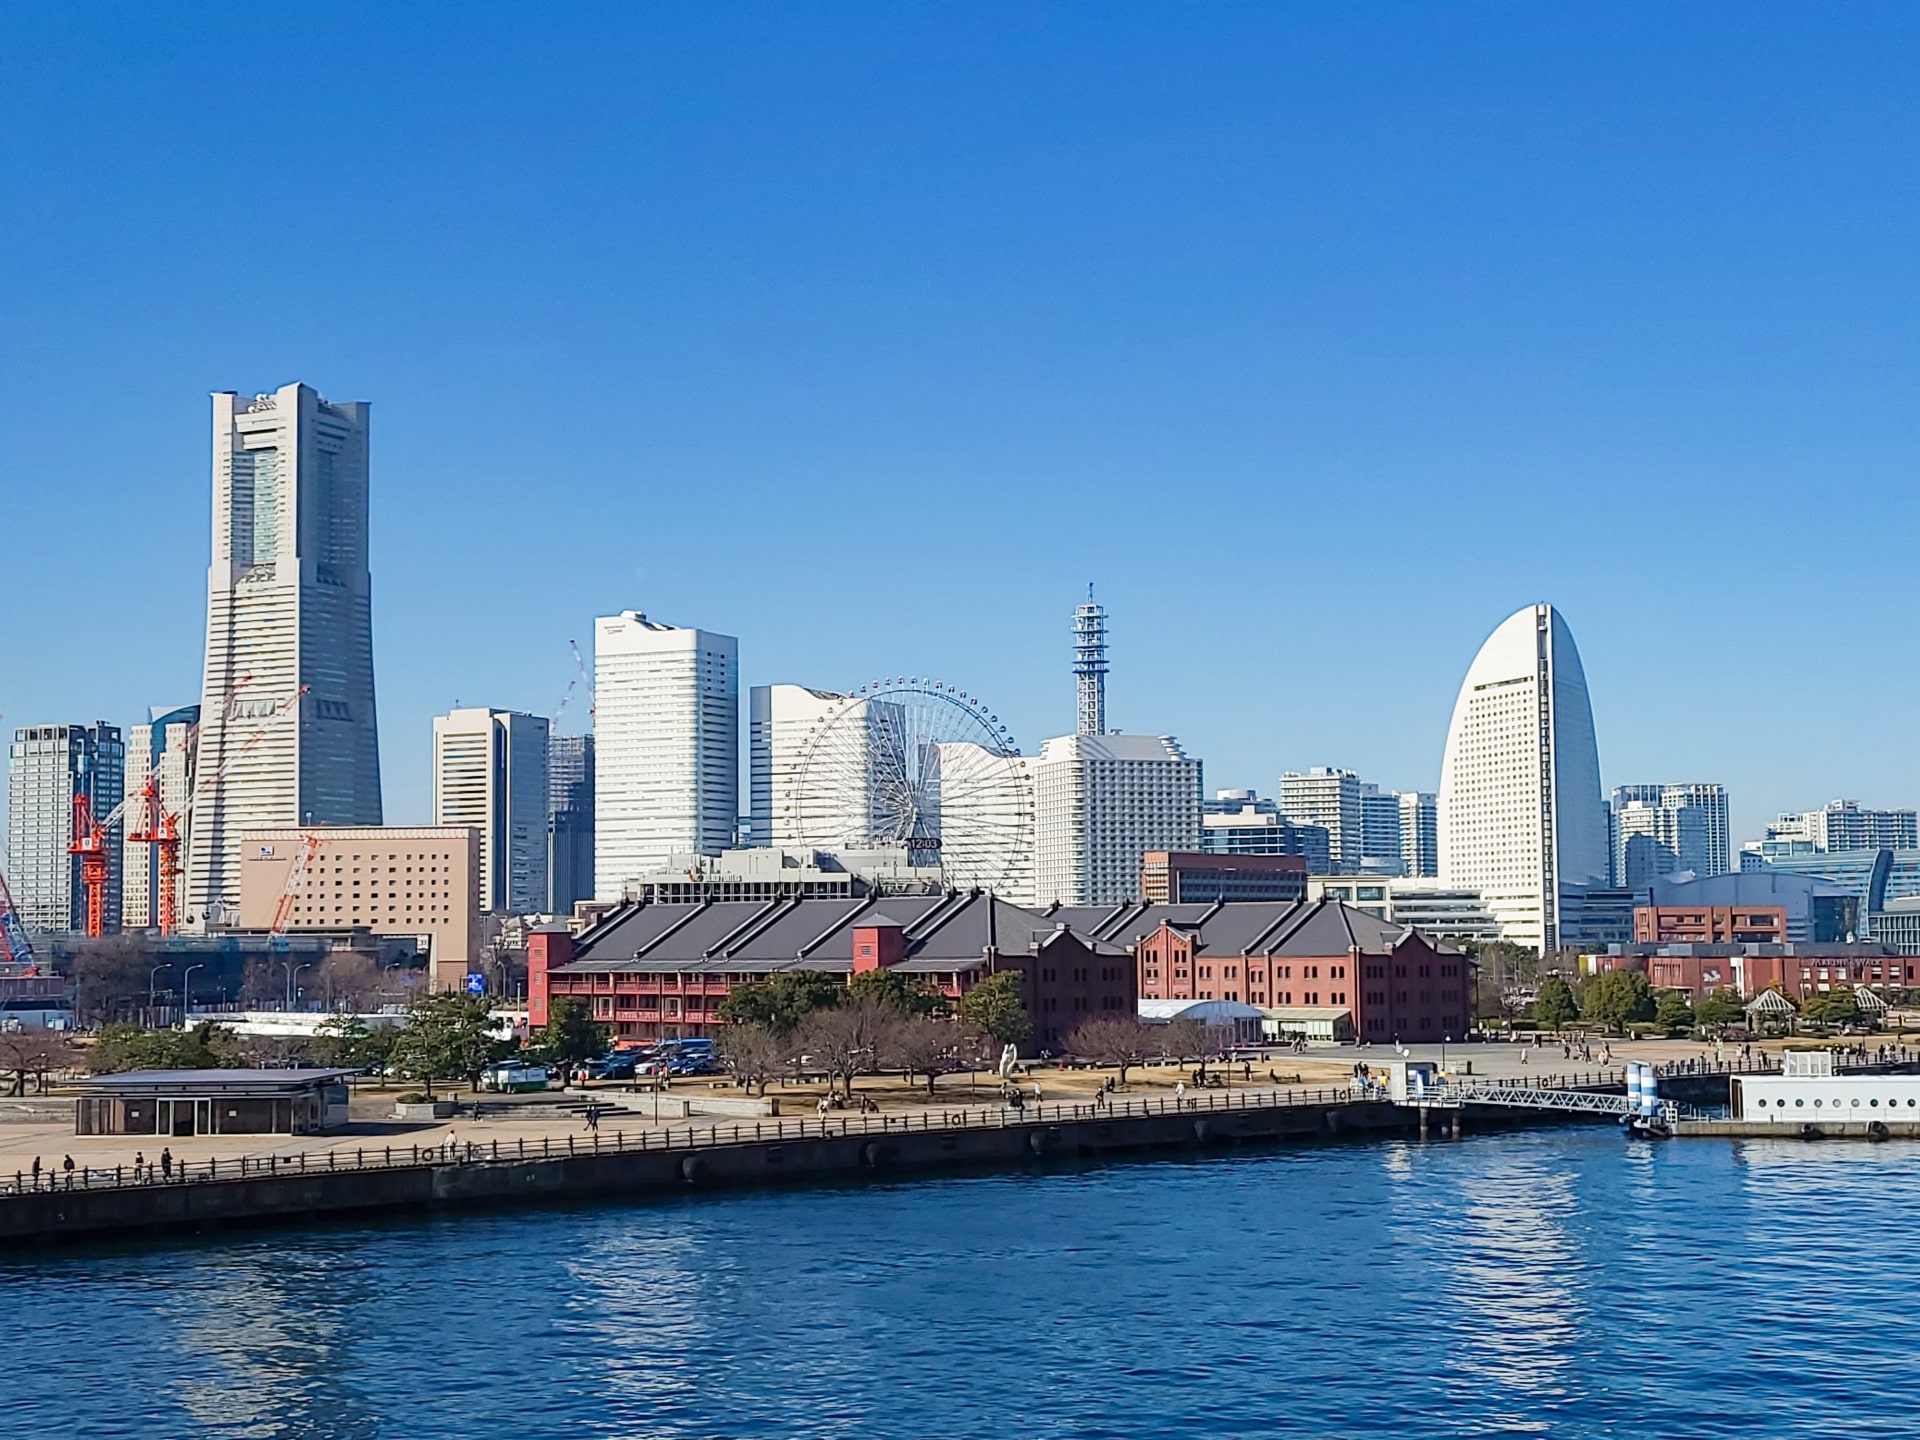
310	844
156	827
592	702
13	935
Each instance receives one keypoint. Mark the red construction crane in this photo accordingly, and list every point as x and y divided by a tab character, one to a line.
310	844
90	844
156	826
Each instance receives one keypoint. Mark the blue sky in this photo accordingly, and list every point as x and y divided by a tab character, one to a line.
1319	339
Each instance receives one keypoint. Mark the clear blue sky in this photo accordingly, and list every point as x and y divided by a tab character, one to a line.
1318	338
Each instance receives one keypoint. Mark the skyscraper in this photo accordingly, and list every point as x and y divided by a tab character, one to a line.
804	789
667	743
164	748
288	733
569	821
1103	801
1239	822
490	772
1521	816
1846	825
50	765
1663	829
1419	834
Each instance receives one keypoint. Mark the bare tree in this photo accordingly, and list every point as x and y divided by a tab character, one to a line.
347	980
753	1054
1119	1040
35	1053
1184	1039
111	974
847	1040
923	1045
275	1052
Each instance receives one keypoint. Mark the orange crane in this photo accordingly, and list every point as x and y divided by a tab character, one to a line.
90	844
156	827
310	844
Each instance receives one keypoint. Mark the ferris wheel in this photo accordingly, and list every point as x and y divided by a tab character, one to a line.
919	764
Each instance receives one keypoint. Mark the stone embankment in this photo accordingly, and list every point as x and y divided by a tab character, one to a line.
350	1179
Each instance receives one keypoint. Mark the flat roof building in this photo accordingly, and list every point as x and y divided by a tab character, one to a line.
212	1102
1181	876
412	880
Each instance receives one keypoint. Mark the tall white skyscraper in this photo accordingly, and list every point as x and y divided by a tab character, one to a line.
666	746
163	748
48	766
1521	816
287	733
490	772
1103	801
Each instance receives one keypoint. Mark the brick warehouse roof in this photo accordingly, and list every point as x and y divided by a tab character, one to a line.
954	931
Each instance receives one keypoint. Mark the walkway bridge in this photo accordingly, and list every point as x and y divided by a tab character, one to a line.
1453	1094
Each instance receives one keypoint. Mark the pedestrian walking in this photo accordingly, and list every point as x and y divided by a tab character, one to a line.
1179	1093
139	1163
593	1119
166	1164
36	1172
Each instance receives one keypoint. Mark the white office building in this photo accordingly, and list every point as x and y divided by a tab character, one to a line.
1102	802
163	749
1664	829
811	758
1520	808
1419	834
666	746
490	772
48	766
288	733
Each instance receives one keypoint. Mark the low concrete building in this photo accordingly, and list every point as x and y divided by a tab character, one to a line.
1180	877
1227	1022
1710	925
213	1102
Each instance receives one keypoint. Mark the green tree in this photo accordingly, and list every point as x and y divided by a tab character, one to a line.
1835	1008
995	1006
904	993
1673	1012
206	1046
1721	1008
1617	997
448	1036
781	1001
571	1034
1554	1006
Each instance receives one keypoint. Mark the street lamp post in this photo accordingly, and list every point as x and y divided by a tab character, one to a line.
186	991
152	976
1444	1039
293	970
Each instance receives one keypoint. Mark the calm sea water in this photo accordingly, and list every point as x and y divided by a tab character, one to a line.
1566	1283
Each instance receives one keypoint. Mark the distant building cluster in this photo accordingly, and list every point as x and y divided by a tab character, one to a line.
256	812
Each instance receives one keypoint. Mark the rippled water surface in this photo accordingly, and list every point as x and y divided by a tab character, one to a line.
1563	1283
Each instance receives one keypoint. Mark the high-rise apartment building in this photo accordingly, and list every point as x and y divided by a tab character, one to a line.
1846	825
1419	834
1101	803
1664	829
490	772
569	822
1330	798
288	733
667	746
1521	814
1381	841
1362	822
1239	822
49	766
162	748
